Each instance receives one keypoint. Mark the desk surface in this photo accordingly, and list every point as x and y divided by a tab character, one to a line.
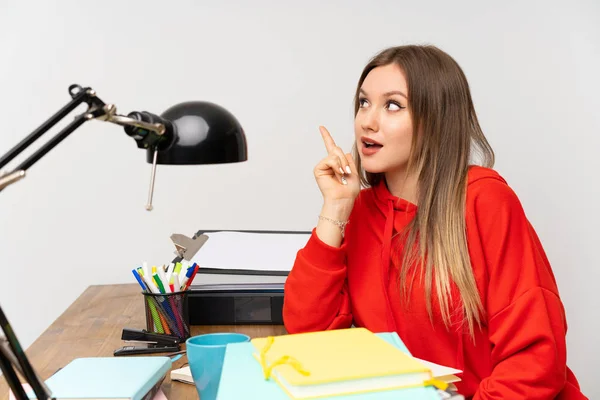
92	325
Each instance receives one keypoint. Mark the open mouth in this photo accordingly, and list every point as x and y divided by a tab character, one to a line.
370	147
368	143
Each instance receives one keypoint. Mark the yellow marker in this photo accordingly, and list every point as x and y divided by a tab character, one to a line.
153	275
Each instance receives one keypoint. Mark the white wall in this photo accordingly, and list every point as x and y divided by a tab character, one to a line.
282	68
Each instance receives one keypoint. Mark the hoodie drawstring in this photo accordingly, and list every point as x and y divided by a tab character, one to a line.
388	232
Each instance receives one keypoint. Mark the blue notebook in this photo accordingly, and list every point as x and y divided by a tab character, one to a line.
242	374
103	378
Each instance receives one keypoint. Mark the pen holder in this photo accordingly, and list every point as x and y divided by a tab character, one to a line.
167	313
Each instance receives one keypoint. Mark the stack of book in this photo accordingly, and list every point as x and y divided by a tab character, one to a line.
342	364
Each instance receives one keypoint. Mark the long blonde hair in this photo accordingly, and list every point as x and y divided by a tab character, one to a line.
446	136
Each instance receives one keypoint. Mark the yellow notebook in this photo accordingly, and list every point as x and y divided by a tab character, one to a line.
337	362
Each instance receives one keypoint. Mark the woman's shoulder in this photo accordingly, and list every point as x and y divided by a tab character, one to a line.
488	190
483	175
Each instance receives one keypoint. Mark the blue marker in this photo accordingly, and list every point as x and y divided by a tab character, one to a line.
188	275
139	279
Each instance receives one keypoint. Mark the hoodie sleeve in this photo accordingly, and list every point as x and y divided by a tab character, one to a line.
315	292
526	319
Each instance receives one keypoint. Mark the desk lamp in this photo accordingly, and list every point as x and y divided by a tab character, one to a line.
189	133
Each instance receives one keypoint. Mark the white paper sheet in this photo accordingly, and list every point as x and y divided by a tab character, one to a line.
250	251
439	371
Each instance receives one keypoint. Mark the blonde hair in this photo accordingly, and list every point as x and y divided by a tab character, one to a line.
446	136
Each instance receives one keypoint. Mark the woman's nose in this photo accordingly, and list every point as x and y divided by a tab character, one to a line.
370	121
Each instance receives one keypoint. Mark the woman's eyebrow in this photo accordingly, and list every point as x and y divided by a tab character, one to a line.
387	94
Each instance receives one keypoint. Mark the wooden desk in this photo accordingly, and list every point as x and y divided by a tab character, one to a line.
92	325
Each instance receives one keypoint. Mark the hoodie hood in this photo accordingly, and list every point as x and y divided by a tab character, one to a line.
398	212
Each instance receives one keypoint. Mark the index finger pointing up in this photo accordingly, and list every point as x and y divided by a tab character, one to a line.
329	143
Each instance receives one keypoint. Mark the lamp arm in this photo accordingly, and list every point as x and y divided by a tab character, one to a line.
84	95
13	359
148	130
8	370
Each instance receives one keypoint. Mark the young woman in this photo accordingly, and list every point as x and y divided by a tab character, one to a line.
435	248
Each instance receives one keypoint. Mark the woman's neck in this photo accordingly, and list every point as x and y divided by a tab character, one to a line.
402	185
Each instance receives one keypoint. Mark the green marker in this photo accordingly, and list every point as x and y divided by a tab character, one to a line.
159	283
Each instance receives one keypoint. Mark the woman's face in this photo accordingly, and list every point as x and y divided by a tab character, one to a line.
383	125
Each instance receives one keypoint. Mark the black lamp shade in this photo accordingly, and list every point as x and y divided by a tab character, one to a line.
203	133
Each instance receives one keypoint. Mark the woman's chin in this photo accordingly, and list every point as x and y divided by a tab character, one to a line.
372	169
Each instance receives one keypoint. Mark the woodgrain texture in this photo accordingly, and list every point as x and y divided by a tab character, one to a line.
92	326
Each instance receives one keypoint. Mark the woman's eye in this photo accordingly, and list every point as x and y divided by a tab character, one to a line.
362	102
393	106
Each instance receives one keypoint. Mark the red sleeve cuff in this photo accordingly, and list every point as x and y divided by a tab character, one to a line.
324	255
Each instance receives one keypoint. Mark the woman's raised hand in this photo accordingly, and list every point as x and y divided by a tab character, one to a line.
336	174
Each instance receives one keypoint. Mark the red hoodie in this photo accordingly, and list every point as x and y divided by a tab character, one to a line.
519	353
